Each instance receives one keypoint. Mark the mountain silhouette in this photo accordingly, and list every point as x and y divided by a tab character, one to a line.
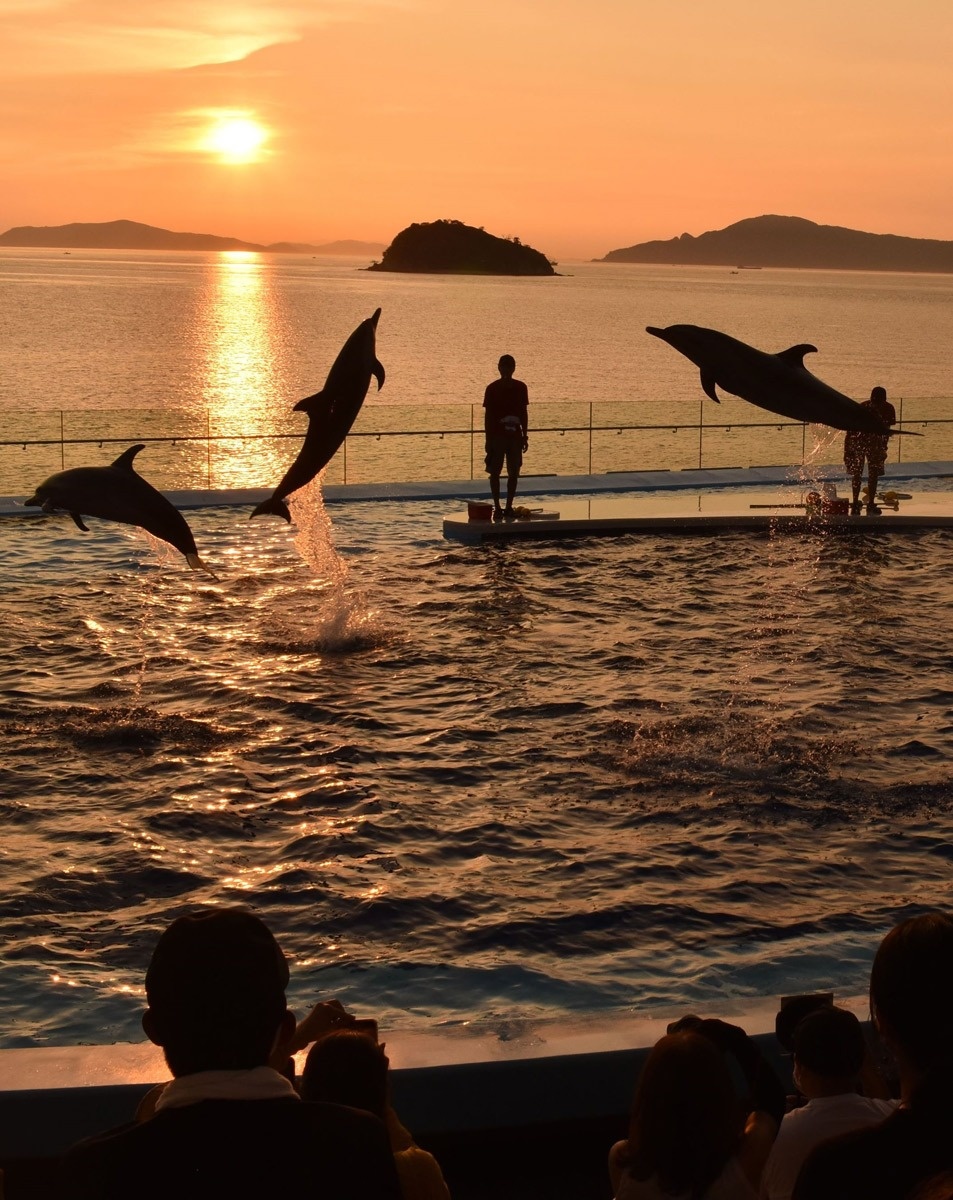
772	241
133	235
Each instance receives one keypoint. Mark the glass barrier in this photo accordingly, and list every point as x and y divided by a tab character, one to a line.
391	443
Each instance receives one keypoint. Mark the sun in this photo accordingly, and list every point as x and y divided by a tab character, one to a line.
236	138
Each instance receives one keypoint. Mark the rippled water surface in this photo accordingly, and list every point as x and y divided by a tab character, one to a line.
467	782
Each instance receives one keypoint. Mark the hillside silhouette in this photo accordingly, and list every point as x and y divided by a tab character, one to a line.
133	235
452	248
772	241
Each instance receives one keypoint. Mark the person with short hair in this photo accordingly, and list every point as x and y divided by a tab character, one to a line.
829	1051
911	1003
506	424
230	1123
870	447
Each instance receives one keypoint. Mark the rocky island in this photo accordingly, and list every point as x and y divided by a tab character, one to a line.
772	241
452	248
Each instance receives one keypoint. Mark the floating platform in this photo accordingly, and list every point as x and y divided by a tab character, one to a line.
781	510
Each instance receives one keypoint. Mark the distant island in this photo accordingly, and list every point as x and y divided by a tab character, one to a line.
133	235
452	248
772	241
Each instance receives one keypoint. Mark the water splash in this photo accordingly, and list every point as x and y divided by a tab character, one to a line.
344	621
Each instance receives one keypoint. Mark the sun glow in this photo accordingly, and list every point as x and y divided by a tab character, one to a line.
236	138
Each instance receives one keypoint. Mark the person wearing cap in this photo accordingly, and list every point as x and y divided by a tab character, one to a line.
870	447
911	1004
506	424
230	1123
829	1051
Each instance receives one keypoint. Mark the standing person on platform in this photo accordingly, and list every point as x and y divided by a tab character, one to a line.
506	423
871	447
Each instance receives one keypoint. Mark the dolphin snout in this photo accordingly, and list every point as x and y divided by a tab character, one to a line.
659	333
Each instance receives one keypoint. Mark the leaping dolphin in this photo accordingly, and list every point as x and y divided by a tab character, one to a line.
779	383
331	413
117	493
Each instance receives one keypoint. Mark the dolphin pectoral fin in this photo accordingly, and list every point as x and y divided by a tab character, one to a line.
312	405
378	372
794	355
124	461
708	384
78	522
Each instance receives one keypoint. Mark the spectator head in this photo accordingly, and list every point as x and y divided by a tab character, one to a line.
829	1052
507	364
216	993
686	1119
911	989
878	395
347	1067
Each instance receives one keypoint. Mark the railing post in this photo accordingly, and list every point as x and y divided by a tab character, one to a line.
900	440
472	407
62	443
590	437
701	424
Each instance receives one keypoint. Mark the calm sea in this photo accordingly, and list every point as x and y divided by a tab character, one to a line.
461	783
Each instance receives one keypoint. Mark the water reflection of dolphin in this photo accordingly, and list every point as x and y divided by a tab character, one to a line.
779	383
331	413
117	493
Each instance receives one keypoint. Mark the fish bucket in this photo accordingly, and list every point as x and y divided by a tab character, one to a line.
479	511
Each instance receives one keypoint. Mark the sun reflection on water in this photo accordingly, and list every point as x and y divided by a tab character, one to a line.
240	343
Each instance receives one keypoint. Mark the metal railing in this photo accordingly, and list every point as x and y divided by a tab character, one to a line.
392	443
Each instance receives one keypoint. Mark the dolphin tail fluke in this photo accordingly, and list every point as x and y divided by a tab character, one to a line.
378	372
275	507
197	565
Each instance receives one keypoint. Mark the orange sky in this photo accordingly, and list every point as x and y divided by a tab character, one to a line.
577	125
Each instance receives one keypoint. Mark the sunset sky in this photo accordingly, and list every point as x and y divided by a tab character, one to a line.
577	125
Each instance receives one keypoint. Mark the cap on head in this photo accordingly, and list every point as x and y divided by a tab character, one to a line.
216	990
830	1042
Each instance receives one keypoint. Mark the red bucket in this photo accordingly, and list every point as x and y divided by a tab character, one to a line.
479	511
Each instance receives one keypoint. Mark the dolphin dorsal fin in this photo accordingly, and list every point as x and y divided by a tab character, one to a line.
378	372
794	356
708	383
124	461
